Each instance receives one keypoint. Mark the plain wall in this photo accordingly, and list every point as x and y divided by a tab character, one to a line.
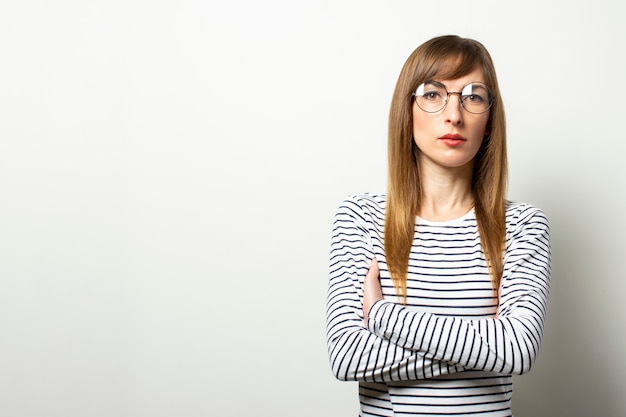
169	171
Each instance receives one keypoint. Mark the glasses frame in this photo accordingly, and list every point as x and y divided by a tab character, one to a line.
448	93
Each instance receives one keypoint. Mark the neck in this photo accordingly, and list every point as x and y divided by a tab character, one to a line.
446	193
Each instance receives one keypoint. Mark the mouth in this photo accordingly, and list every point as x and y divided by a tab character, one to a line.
452	140
452	136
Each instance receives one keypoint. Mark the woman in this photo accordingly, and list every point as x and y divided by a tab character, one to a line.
438	291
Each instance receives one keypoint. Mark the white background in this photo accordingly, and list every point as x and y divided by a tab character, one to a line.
169	171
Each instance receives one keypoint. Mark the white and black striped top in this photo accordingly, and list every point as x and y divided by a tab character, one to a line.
445	352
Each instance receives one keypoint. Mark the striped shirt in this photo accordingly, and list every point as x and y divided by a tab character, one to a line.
444	352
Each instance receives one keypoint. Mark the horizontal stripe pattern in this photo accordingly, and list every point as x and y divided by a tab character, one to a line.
443	353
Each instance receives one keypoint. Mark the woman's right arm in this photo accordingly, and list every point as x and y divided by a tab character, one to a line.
355	353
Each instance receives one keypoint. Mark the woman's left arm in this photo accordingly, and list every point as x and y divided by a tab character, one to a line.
507	344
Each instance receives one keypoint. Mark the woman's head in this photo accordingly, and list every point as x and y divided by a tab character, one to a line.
444	58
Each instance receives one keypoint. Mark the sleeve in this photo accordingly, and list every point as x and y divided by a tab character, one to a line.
508	344
355	353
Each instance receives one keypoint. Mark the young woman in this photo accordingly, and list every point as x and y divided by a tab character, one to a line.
438	291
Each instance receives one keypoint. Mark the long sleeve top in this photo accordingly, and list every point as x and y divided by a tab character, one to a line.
452	348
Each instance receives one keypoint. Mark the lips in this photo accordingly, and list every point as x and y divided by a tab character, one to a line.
453	136
452	139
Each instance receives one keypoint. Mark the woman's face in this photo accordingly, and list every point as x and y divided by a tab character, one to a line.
450	138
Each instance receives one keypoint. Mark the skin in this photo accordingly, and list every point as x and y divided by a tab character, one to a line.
445	171
372	291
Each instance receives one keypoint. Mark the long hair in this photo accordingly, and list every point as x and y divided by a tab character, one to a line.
445	57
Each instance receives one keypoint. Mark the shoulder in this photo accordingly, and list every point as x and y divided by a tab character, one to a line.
364	207
366	201
524	216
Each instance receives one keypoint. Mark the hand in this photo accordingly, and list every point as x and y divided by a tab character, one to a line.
372	290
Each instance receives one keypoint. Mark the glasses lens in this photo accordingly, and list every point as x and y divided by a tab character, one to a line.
476	98
431	97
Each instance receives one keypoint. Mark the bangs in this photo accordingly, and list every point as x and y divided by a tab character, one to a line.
455	66
445	60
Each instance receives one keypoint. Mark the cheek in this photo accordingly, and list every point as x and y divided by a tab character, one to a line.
421	122
417	123
485	123
479	129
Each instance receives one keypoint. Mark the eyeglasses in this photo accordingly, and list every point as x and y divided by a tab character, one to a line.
432	97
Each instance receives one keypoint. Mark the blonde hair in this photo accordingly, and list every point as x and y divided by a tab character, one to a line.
445	57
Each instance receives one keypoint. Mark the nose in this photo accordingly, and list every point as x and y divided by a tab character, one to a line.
453	110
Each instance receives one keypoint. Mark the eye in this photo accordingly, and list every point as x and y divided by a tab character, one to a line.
475	93
432	95
474	98
430	92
